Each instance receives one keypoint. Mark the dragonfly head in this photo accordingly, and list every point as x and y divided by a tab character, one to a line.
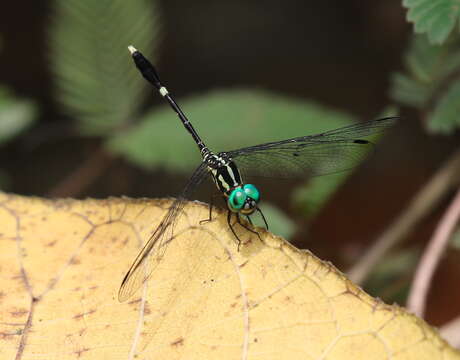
243	199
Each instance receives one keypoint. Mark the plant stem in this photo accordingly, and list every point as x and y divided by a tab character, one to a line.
451	332
420	206
431	258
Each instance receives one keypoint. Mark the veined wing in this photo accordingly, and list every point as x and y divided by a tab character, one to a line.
153	251
325	153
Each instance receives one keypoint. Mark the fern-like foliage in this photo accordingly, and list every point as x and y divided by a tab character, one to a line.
445	117
436	18
431	83
95	80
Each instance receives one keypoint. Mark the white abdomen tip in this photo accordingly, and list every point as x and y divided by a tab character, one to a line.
132	49
163	91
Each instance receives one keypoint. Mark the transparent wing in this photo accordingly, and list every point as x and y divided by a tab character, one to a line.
153	251
325	153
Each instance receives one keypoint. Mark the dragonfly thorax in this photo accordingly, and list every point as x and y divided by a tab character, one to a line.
241	198
224	172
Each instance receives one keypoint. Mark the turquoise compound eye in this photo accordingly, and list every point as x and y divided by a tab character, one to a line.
236	199
252	192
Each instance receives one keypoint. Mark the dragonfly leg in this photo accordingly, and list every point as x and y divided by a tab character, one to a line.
229	215
246	227
211	204
263	217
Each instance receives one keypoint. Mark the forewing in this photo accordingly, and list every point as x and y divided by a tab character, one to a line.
329	152
153	251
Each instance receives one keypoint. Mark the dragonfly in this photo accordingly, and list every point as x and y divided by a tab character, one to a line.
312	155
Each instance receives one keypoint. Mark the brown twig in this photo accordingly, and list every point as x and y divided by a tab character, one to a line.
431	258
84	175
451	332
420	206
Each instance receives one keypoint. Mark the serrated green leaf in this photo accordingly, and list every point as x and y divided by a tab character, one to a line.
225	120
408	91
95	80
430	68
15	115
436	18
425	60
424	63
279	223
445	117
428	63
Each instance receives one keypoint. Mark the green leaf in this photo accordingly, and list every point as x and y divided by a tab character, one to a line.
424	64
95	79
430	84
315	194
425	60
445	117
408	91
225	120
436	18
15	115
279	223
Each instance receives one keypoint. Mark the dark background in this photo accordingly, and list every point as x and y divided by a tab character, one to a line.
339	54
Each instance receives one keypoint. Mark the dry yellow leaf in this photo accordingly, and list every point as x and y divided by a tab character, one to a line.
61	264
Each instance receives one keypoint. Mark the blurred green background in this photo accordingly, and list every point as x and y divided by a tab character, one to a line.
76	119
